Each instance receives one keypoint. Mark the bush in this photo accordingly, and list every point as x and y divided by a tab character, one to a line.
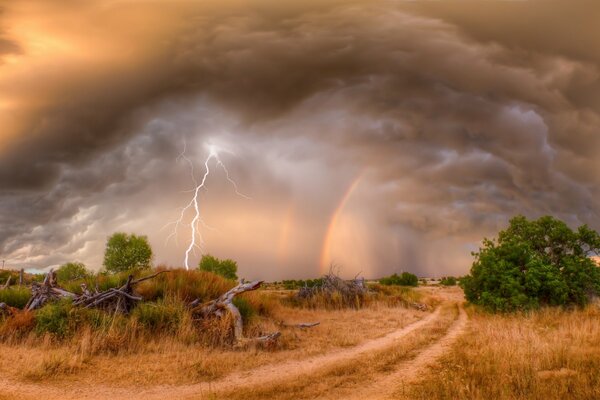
534	263
226	268
15	296
185	286
162	316
71	271
448	281
54	318
17	325
404	279
245	308
127	252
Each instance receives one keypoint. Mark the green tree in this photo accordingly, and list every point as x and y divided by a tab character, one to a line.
226	268
533	263
125	252
71	271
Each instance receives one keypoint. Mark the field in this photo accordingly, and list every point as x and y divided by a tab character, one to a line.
384	349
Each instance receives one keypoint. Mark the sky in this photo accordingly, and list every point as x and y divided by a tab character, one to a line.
377	136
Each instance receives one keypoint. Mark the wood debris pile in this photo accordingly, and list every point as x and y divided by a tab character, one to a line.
47	291
350	292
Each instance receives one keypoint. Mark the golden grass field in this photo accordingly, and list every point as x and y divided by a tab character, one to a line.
382	351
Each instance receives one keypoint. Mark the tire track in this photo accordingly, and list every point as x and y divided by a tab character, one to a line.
409	371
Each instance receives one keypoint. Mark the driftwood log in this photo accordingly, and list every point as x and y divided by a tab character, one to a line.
224	304
48	290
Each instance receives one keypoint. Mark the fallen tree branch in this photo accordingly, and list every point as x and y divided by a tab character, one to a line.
216	308
121	300
7	282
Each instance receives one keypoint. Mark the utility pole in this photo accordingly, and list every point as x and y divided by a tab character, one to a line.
3	263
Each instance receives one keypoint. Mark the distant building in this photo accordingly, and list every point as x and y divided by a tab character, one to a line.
596	259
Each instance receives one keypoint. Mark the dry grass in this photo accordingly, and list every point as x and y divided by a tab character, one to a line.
549	354
124	354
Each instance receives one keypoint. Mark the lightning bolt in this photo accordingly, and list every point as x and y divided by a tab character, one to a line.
196	239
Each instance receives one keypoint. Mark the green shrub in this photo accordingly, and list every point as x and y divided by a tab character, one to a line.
71	271
226	268
404	279
54	318
448	281
15	296
534	263
161	316
245	308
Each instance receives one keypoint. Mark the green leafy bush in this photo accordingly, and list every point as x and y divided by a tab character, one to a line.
404	279
534	263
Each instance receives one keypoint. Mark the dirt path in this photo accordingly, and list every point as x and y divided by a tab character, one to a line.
410	370
261	375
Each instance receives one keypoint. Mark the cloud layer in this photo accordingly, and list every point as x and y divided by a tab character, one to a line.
448	119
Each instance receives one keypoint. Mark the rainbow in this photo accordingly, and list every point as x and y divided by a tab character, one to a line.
325	259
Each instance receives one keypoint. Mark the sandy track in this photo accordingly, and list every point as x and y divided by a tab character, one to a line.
409	371
261	375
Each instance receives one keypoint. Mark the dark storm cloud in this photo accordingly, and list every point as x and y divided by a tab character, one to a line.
465	114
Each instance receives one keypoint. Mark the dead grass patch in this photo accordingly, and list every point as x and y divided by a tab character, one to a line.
548	354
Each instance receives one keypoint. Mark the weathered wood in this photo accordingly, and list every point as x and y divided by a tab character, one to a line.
215	308
47	291
21	273
7	282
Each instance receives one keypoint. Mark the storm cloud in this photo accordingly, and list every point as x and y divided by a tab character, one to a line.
378	135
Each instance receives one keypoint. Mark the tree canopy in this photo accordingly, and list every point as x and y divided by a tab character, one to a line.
125	252
226	268
71	271
534	263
